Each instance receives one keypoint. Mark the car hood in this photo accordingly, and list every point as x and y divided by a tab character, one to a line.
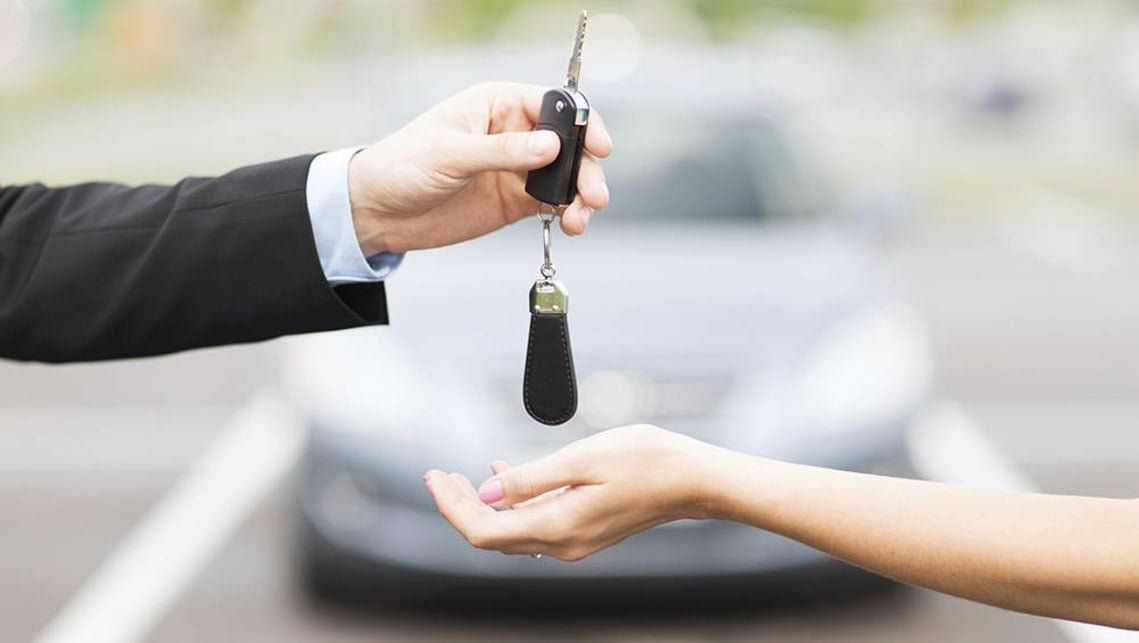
685	313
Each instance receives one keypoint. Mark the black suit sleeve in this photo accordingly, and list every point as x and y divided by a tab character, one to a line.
103	271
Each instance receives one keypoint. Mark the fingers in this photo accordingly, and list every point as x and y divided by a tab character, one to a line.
593	195
597	139
512	94
591	186
465	155
478	523
460	507
539	529
575	217
514	105
527	481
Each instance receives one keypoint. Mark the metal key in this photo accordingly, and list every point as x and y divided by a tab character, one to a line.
549	384
573	74
565	112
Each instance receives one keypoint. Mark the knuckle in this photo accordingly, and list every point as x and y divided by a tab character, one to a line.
480	539
490	86
546	534
504	106
572	554
483	88
441	146
640	431
506	145
525	486
551	536
555	530
563	525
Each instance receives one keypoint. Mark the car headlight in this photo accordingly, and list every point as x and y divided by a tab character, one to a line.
872	369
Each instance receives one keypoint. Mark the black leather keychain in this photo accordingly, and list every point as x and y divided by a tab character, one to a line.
549	385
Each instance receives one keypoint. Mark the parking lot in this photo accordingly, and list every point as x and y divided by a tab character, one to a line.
1037	353
989	158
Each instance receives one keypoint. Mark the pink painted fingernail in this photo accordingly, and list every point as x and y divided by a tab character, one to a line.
427	481
491	491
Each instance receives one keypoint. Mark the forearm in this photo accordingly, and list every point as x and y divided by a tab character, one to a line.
103	271
1070	557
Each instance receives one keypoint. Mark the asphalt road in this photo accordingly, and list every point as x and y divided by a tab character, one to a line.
1037	341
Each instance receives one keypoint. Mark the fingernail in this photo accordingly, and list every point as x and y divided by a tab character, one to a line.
605	189
491	491
542	142
587	214
427	481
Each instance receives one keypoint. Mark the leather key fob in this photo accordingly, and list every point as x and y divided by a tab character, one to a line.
549	385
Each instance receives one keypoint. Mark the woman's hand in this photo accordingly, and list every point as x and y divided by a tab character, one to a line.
458	171
585	497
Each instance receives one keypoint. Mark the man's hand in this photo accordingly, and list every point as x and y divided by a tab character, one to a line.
458	171
590	495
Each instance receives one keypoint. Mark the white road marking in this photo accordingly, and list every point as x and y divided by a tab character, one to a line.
950	447
111	438
139	582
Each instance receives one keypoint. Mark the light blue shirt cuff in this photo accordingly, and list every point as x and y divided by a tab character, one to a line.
330	211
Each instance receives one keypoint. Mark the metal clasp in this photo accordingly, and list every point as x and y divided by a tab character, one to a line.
549	296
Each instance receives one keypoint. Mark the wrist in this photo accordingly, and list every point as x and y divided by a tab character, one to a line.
371	222
725	478
704	482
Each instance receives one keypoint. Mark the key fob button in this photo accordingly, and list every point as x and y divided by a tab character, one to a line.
562	111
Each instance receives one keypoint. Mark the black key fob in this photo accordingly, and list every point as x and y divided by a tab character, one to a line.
565	112
549	385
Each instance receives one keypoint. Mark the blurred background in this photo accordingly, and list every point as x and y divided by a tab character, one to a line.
927	204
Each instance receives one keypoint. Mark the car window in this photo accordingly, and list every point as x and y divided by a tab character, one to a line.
696	167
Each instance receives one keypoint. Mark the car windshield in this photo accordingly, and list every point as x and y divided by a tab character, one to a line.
695	166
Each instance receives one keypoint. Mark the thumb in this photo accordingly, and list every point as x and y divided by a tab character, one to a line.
527	481
510	151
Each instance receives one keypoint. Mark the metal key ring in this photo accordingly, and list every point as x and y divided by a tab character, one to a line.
546	212
548	263
547	219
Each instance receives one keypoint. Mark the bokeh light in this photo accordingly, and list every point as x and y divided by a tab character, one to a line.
15	23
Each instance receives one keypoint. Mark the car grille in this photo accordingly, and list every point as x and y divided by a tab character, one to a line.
614	398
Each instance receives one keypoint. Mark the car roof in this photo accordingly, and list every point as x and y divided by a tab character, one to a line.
710	81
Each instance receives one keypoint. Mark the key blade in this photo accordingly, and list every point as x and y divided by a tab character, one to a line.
574	72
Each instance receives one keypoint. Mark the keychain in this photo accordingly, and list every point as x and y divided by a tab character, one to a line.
549	385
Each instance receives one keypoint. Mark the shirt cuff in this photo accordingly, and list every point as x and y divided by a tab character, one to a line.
330	211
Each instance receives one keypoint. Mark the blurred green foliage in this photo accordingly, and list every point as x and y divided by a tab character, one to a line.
729	18
471	19
100	43
962	11
83	13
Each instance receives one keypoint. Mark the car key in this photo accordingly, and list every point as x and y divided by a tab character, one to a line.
565	112
549	384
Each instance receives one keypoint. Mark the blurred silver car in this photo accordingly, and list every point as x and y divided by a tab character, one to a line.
718	296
